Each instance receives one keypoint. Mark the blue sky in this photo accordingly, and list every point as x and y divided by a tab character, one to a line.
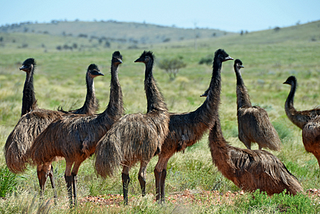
229	15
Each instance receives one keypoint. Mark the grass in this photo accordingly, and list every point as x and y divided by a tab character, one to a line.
269	58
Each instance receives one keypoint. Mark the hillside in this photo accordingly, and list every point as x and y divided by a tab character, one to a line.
193	183
113	31
66	36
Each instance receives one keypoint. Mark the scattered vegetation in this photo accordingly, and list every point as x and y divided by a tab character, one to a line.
59	81
8	181
172	66
206	60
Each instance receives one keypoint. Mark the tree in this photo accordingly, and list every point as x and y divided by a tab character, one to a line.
171	66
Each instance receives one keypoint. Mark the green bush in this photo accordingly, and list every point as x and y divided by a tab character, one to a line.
282	202
7	181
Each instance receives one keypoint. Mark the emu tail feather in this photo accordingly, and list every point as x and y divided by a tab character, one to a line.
108	156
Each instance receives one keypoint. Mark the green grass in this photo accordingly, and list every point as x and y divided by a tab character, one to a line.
269	58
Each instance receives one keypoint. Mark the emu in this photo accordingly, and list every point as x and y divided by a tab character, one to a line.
187	128
74	137
249	169
140	136
30	125
307	120
253	121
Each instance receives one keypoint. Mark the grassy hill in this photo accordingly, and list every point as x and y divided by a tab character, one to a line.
113	31
269	57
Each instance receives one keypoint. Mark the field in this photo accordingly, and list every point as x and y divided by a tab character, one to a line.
193	185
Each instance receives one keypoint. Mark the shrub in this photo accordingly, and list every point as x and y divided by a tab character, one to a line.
7	181
206	60
171	66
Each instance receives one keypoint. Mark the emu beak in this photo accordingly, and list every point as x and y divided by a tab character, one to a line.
203	95
23	68
241	66
228	58
120	60
97	73
139	60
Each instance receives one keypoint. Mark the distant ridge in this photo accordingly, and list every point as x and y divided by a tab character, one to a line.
114	31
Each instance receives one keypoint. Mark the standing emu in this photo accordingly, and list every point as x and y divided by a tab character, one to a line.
187	128
75	137
30	125
253	121
140	136
29	101
308	121
250	169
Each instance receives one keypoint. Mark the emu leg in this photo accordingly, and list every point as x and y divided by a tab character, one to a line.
160	173
157	176
42	177
142	182
162	184
125	184
142	178
69	181
74	188
53	184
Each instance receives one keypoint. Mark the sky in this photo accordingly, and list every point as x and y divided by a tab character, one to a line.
228	15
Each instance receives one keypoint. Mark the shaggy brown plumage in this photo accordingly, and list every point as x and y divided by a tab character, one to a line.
140	136
75	137
253	121
30	125
311	137
187	128
308	121
298	118
29	101
250	169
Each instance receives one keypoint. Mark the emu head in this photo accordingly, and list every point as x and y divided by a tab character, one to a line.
116	58
222	55
291	80
94	71
28	65
238	64
145	57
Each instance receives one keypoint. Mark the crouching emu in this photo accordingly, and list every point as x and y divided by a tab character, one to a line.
140	136
250	169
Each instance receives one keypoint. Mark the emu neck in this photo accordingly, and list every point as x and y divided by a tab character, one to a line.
206	112
217	144
289	102
28	99
154	97
115	106
295	117
90	105
243	99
